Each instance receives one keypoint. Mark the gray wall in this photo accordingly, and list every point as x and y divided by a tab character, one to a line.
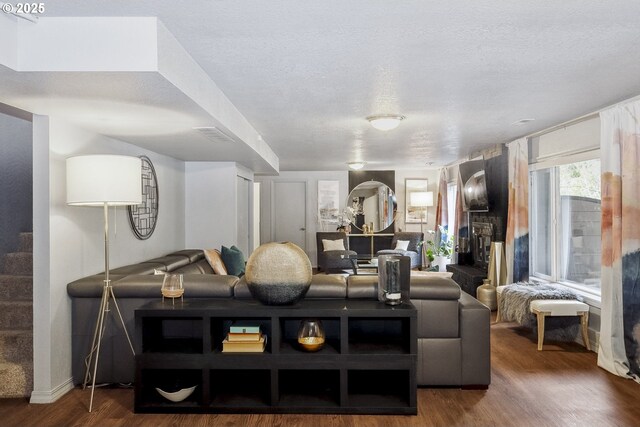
15	182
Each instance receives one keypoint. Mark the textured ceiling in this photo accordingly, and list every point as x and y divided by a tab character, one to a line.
306	74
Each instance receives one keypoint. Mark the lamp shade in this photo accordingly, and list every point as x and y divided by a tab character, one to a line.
94	180
421	198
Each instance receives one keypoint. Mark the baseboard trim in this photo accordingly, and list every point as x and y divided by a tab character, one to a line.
52	395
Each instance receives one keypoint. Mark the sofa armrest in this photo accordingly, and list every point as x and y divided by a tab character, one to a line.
475	327
433	287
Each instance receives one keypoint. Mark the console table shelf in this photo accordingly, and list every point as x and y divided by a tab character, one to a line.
367	366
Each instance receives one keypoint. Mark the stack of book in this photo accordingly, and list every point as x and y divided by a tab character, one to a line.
244	339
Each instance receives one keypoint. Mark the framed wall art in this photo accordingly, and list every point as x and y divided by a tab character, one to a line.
328	201
416	200
143	217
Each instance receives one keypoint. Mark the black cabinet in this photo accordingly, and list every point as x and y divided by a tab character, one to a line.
367	366
468	277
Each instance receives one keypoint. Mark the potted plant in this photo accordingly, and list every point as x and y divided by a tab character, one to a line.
439	248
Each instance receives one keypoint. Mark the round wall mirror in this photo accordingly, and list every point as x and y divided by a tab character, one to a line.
371	206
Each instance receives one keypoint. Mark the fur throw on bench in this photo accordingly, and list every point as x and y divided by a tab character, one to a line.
514	306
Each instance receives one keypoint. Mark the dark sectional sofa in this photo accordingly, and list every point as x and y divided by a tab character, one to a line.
453	327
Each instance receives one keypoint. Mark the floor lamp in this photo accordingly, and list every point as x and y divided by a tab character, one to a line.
424	200
103	181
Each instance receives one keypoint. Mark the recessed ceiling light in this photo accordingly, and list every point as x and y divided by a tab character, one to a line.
356	165
385	121
522	122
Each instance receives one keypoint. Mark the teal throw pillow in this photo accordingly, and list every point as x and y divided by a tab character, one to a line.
233	260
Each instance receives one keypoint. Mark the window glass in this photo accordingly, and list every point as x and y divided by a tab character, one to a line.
541	223
565	224
579	227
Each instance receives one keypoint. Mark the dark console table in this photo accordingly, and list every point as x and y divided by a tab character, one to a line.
367	366
468	277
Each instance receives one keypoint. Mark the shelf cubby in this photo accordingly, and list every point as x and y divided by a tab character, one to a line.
172	335
240	387
379	388
379	336
309	388
220	328
169	380
289	335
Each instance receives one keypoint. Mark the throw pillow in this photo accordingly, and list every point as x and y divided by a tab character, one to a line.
233	260
333	245
402	245
215	261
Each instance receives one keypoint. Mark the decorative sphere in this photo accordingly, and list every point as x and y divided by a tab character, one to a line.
278	273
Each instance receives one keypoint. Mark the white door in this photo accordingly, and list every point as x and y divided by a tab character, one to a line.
289	213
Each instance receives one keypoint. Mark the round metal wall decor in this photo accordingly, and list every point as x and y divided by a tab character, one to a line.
143	217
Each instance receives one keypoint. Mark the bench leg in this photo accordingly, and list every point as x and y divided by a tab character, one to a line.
498	314
540	316
584	322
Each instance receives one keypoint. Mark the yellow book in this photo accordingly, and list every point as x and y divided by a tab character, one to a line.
240	337
244	346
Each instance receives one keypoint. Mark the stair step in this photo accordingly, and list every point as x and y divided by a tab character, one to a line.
26	242
16	315
16	346
19	263
16	288
16	379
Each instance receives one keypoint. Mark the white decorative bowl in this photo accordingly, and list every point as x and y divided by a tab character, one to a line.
177	396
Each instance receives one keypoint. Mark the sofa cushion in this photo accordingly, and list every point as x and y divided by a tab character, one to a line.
233	260
402	245
146	267
215	261
436	288
195	286
193	254
171	262
198	267
333	245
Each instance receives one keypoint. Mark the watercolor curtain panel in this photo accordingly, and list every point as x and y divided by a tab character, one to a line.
619	350
517	242
442	211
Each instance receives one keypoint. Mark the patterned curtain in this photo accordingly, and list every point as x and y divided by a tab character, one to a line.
517	244
619	350
442	212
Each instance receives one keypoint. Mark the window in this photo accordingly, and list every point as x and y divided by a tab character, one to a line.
565	224
452	189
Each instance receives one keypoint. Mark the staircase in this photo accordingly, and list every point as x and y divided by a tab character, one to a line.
16	320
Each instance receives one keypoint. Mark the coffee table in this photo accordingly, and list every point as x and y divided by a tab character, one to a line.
364	264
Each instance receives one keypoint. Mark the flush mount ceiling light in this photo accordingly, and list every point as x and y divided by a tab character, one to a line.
385	121
356	165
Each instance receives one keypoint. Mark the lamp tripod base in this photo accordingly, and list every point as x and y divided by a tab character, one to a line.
94	353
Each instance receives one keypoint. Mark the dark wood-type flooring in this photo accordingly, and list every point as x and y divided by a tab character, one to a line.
560	386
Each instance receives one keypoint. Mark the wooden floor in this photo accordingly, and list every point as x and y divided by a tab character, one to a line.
560	386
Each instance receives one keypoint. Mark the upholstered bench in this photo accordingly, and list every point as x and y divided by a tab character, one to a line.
557	307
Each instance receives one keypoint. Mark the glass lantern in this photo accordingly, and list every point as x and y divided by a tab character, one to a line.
172	287
311	335
389	290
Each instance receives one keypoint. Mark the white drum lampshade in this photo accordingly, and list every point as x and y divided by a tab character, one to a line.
94	180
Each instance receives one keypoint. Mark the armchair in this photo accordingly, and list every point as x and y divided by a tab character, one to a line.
413	249
332	260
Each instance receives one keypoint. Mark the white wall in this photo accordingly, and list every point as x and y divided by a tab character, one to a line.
8	40
210	203
68	241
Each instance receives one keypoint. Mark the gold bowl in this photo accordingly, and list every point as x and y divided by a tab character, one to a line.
311	343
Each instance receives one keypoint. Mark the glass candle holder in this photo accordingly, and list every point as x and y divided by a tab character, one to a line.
311	335
389	290
172	287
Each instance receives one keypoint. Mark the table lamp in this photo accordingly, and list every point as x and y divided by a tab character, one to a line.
421	199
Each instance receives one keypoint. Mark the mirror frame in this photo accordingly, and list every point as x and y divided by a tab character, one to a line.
351	215
412	185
